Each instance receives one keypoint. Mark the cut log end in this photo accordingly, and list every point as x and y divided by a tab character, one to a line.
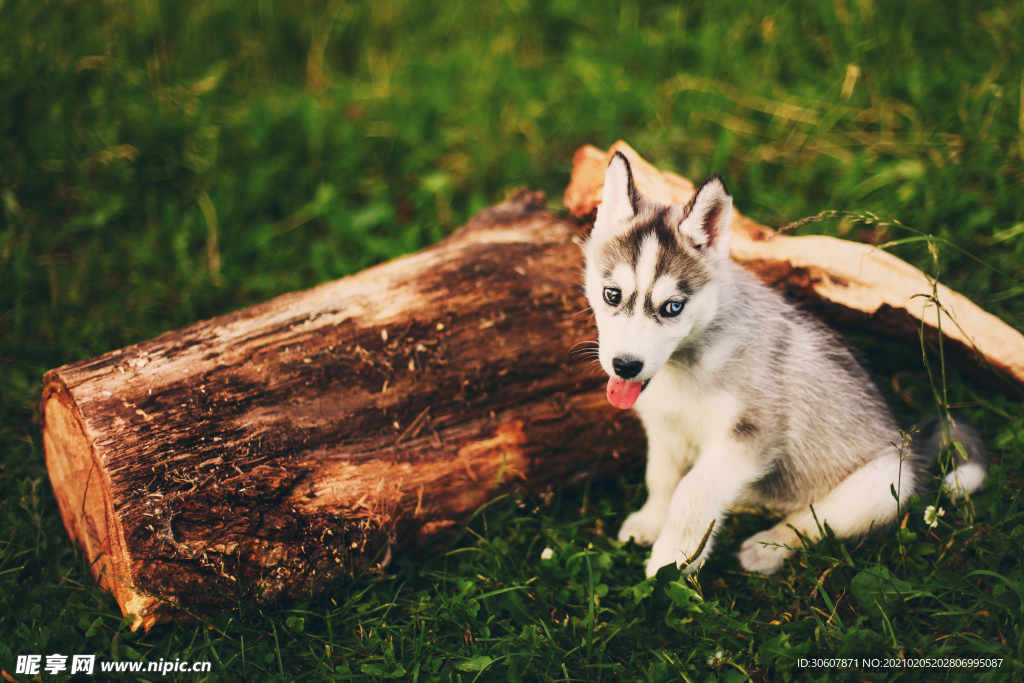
82	490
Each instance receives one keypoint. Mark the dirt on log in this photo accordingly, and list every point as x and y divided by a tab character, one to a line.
265	453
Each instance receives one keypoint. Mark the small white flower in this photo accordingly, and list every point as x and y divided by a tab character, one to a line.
547	554
931	516
713	661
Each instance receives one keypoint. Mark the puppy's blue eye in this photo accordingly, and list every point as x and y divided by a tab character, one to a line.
612	296
671	309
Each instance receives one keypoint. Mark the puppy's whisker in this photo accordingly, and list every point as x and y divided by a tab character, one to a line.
588	309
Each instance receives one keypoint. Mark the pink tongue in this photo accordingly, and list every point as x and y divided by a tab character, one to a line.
623	394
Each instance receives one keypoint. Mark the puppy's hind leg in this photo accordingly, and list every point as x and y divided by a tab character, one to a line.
860	503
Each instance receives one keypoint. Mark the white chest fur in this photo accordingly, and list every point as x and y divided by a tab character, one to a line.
682	416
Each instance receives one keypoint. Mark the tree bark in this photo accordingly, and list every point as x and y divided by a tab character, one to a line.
265	453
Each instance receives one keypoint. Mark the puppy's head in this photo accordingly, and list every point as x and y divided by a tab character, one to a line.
650	275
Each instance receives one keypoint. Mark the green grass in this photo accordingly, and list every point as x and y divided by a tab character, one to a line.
166	162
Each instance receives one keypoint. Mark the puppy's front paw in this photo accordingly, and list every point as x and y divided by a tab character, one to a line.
756	556
643	526
676	545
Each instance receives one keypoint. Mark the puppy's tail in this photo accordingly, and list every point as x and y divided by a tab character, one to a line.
963	476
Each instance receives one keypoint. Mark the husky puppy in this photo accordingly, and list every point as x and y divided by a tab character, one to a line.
745	399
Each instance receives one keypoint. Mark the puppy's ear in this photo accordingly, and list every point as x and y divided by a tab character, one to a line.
620	199
707	218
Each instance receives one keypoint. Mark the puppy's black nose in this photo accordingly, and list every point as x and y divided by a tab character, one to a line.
626	367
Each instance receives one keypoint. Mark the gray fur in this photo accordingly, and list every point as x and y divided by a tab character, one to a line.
819	417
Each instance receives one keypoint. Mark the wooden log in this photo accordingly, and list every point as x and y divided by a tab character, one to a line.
848	284
265	453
